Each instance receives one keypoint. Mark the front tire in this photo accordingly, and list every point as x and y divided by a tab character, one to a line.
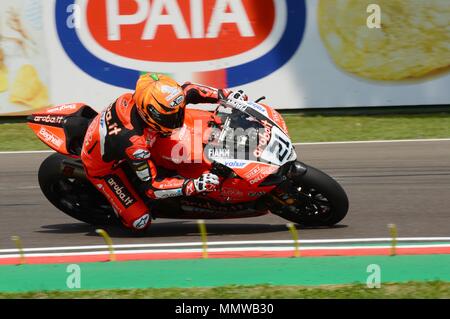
315	199
73	196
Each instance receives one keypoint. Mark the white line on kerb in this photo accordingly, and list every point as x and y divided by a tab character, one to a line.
232	243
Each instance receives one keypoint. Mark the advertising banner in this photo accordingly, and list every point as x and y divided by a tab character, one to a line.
298	53
24	76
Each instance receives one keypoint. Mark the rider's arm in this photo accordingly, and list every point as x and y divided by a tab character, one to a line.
157	187
165	187
197	93
138	156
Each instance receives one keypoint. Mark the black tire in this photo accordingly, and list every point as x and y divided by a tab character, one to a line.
74	197
321	200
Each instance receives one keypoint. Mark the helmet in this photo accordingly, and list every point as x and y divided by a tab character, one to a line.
160	102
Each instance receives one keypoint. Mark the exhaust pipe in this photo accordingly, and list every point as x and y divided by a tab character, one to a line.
73	169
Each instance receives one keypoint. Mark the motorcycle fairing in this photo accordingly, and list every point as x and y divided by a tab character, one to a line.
184	141
183	151
277	151
203	208
62	127
235	190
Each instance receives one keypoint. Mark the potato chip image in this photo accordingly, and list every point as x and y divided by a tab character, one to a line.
3	73
3	79
28	89
413	41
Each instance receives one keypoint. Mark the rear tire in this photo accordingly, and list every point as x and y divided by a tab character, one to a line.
319	200
73	196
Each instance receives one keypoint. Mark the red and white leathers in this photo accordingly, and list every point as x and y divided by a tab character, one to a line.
119	134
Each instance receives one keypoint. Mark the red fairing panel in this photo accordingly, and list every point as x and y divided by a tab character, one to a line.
48	125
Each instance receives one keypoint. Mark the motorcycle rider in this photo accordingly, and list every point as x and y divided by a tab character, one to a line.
126	131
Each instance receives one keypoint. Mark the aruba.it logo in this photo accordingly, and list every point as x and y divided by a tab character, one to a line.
223	43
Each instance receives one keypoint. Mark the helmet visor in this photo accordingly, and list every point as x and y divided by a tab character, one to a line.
170	121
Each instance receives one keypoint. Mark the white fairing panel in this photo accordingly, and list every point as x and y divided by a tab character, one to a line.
280	150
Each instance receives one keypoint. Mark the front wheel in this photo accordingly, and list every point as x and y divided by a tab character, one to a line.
314	199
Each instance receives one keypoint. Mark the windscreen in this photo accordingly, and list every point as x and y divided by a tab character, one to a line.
243	137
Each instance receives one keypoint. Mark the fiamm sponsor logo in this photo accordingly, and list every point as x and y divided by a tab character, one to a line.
223	43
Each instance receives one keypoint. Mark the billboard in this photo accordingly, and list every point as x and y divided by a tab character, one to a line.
24	76
298	53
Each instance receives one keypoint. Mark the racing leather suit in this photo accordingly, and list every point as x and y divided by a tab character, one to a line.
118	134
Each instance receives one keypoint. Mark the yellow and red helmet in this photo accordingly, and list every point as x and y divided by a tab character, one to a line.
160	102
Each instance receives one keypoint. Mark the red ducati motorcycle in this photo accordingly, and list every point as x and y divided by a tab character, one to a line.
245	143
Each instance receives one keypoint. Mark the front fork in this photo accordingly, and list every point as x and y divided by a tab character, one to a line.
280	199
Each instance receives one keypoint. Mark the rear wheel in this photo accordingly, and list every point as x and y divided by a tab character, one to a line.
314	199
74	196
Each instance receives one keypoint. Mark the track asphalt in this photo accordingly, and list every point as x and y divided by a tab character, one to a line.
406	183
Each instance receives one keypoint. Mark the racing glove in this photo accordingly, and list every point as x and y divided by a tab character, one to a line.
224	94
208	182
239	95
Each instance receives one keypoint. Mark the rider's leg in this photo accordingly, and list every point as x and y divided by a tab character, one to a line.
127	204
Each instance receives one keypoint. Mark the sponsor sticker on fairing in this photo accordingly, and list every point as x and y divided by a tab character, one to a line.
259	172
50	119
235	164
218	153
231	192
62	108
263	139
49	137
168	193
258	107
279	149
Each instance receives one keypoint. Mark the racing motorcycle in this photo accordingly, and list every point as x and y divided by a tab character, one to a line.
245	143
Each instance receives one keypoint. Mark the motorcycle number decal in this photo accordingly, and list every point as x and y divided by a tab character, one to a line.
279	149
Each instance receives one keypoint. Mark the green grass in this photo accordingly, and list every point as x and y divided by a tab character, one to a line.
409	290
19	137
317	128
371	127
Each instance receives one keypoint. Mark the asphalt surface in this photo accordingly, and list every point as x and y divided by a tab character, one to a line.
406	183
